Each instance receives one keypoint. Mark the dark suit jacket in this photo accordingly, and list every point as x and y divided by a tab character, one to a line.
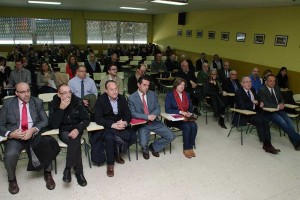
227	85
90	70
199	64
132	84
264	95
136	105
188	77
244	102
10	114
221	74
216	66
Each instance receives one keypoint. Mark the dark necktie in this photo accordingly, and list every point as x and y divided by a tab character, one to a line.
234	85
82	89
249	95
273	97
24	122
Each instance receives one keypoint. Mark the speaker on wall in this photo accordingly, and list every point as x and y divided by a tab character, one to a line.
181	18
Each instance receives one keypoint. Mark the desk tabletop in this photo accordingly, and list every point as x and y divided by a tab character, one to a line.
244	112
291	106
270	109
94	127
51	132
172	117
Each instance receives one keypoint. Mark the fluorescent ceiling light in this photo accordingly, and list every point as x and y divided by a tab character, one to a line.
177	3
45	2
133	8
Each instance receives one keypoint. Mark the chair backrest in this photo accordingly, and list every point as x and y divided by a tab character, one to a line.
7	97
46	97
81	63
4	54
138	58
150	58
62	67
148	62
134	63
105	52
96	51
124	58
62	78
164	58
296	97
11	64
120	75
99	76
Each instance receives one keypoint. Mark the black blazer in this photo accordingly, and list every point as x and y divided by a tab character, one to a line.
221	74
227	85
90	70
199	64
264	95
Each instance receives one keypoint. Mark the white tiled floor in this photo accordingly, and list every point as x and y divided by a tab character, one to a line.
223	169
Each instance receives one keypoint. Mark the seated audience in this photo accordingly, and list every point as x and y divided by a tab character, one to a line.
22	118
203	75
192	87
79	55
158	65
270	97
172	64
69	116
216	63
85	88
112	112
4	75
92	65
113	61
213	89
112	75
231	85
224	72
246	99
46	80
266	73
178	102
282	82
256	80
72	66
19	74
191	65
16	54
59	57
200	62
144	104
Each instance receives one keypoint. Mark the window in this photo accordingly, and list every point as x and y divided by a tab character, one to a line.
34	31
116	32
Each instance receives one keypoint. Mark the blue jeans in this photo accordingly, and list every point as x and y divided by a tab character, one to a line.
285	123
166	136
189	132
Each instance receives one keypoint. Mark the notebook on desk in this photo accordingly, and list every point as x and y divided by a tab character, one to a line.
136	121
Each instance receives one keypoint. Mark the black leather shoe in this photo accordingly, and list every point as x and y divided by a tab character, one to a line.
154	153
13	187
50	183
80	179
119	160
146	155
197	112
67	176
221	123
270	149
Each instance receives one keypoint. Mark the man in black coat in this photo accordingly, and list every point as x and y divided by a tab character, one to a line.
231	85
246	99
112	112
92	65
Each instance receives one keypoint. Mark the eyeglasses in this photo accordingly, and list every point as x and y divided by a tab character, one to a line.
115	69
65	93
23	92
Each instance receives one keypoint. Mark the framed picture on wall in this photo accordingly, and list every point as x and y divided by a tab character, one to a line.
225	36
240	37
179	32
188	33
259	38
211	34
281	40
199	34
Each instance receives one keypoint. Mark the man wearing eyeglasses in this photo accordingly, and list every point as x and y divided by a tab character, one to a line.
112	71
69	115
85	88
21	119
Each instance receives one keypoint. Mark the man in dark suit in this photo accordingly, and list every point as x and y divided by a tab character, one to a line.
217	63
246	99
92	65
231	85
144	104
200	62
224	72
112	112
270	97
21	119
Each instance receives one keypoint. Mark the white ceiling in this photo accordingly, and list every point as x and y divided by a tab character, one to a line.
152	8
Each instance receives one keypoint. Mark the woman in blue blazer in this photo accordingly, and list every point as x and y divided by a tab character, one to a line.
178	102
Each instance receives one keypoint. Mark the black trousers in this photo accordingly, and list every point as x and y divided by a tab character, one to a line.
73	158
262	127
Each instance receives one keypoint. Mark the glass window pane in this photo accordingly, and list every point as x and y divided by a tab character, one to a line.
126	32
6	33
140	33
44	31
93	29
22	30
109	32
61	31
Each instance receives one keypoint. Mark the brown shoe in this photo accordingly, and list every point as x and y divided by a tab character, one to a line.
154	153
110	171
120	160
187	153
270	149
13	187
146	155
192	153
50	184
